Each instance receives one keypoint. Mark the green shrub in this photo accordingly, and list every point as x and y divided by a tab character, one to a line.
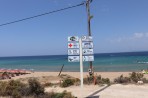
77	81
35	88
105	80
11	88
3	86
98	80
16	94
67	82
16	89
64	94
135	77
88	80
122	79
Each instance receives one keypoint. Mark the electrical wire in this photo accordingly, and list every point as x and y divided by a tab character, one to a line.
12	22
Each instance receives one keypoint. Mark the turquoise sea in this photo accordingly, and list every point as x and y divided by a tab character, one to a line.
127	61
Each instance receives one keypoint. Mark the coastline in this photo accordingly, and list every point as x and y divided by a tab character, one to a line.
110	75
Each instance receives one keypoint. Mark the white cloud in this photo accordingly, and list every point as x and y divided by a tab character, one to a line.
138	35
146	34
134	37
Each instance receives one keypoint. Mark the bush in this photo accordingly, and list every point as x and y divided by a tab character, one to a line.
122	79
135	77
67	82
105	80
35	88
3	86
11	88
77	81
16	89
64	94
88	80
98	80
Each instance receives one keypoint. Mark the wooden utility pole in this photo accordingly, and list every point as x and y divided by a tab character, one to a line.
89	25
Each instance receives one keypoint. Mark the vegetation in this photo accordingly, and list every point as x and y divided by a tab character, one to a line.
67	82
122	79
133	78
33	89
96	80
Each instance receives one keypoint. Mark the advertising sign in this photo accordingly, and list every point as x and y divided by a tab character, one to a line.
73	52
73	38
88	52
73	45
73	58
86	38
88	58
87	45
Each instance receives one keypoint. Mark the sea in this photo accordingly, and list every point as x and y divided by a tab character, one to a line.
103	62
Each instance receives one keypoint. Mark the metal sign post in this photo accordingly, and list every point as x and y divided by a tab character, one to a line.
81	63
79	50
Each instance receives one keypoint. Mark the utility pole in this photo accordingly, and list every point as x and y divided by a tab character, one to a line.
89	25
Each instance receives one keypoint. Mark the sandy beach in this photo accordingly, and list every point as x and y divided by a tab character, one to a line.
113	91
110	75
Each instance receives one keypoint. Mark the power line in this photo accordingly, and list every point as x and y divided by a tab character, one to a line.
41	14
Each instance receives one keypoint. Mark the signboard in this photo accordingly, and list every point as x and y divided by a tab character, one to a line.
73	52
88	52
88	58
86	38
73	38
73	58
74	48
73	45
87	45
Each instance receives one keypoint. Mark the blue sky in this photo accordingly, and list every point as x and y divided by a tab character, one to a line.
117	26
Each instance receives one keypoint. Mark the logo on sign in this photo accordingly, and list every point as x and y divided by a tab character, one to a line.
87	51
73	52
73	45
73	38
88	58
87	45
86	38
73	58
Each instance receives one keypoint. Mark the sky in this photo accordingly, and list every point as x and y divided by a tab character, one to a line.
117	26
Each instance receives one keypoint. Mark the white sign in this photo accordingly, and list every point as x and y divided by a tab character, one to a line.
73	52
73	58
88	58
73	38
88	51
87	45
87	38
73	45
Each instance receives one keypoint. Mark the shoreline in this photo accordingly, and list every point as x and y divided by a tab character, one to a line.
110	75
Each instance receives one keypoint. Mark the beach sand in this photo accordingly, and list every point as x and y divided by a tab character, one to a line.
113	91
110	75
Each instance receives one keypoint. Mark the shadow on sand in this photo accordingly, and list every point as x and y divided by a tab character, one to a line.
93	94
